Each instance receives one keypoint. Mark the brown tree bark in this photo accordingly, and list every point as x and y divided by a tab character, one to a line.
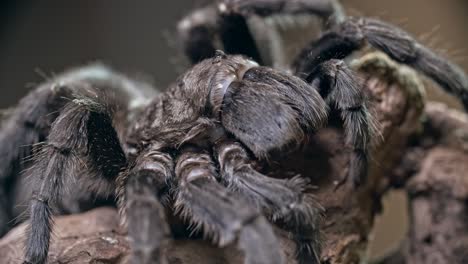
434	173
423	150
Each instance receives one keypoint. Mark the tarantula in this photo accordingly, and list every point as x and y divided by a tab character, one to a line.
194	147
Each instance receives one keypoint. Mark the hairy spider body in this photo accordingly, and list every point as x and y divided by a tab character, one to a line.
197	116
195	147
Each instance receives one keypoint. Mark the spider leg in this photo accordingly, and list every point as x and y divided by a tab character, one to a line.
30	121
330	11
271	111
236	37
205	30
198	33
140	195
342	90
282	200
221	213
82	147
225	26
354	33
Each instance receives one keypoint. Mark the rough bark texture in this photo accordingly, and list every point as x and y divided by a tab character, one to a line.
435	176
427	156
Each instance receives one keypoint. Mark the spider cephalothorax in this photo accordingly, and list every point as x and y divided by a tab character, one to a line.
194	147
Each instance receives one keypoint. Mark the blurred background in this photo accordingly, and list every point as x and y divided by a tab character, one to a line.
39	38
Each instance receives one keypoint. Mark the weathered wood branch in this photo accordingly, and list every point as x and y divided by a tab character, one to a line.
408	154
435	176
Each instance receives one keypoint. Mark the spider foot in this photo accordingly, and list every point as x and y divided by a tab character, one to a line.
284	201
223	216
